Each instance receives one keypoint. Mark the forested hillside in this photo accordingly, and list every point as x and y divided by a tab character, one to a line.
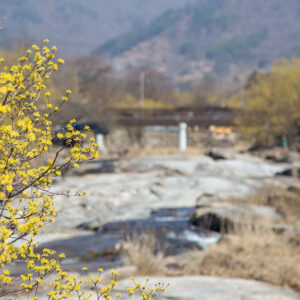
77	26
212	36
186	39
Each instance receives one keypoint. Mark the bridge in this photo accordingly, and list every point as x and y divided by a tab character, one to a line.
193	116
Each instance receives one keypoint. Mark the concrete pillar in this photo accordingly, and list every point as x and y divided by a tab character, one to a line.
182	143
100	141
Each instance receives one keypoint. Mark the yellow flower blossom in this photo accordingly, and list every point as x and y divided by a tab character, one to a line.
26	138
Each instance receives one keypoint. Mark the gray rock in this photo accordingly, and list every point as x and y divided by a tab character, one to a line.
293	172
215	155
261	211
224	216
215	288
157	182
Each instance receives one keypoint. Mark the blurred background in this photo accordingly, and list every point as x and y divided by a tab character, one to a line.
155	63
196	106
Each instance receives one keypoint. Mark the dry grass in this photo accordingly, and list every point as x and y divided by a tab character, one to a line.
258	254
254	251
143	252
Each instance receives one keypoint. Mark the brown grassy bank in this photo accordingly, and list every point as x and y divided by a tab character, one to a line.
268	252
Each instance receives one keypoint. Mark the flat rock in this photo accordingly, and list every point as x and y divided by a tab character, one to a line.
145	183
215	288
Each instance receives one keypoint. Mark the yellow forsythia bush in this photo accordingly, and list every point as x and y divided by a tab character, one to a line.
26	202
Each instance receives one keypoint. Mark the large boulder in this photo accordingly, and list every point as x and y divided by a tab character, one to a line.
292	172
224	216
215	155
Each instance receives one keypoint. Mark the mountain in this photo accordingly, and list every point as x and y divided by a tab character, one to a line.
77	26
210	37
188	39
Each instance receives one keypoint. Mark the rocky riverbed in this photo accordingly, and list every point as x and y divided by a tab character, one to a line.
180	200
158	194
135	187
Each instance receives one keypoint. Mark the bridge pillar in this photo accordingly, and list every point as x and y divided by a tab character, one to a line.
182	143
100	141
